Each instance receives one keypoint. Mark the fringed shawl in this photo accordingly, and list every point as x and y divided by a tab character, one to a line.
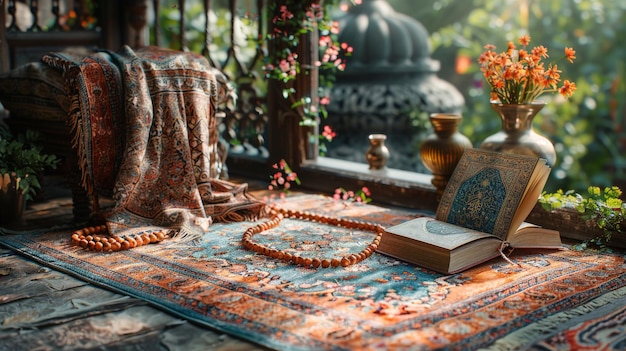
145	131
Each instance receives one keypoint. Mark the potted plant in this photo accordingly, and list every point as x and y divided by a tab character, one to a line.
517	77
21	161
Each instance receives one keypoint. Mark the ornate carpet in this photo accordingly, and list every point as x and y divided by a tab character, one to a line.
549	300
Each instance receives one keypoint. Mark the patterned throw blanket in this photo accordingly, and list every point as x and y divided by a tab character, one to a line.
145	131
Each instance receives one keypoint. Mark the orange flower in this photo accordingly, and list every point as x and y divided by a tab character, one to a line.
568	88
498	83
540	51
570	54
511	46
523	55
554	73
524	40
518	76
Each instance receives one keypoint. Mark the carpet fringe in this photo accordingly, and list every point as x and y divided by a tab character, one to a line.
189	233
185	236
550	325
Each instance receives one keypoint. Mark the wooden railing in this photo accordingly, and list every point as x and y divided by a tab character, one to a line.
38	27
34	28
247	126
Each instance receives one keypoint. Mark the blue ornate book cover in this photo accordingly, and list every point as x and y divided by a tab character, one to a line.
486	189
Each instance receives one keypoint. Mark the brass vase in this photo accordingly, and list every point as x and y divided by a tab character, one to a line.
440	152
517	135
377	155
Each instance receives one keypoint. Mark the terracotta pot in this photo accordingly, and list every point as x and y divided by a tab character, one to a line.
12	202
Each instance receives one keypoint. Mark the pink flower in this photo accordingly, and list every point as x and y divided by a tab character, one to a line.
284	14
283	178
284	65
328	133
325	40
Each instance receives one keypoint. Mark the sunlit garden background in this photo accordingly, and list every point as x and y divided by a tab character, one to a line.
587	129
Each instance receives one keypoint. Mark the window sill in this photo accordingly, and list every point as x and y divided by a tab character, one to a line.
390	186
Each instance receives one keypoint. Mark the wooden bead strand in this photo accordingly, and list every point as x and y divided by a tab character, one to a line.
96	238
277	214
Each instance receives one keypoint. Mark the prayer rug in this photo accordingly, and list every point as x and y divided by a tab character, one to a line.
377	304
604	328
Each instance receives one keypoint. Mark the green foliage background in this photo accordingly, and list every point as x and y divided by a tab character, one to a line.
587	129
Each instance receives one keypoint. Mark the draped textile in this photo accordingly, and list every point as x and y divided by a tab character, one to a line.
146	134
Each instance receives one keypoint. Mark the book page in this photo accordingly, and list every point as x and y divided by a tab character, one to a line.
486	189
529	200
530	235
433	232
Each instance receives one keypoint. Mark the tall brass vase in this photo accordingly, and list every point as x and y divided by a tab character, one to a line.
517	135
440	152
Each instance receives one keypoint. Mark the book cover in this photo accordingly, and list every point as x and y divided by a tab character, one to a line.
486	189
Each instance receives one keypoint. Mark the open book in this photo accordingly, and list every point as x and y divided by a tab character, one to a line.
481	214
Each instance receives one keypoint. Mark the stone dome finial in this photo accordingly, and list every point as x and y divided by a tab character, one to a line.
384	41
389	77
